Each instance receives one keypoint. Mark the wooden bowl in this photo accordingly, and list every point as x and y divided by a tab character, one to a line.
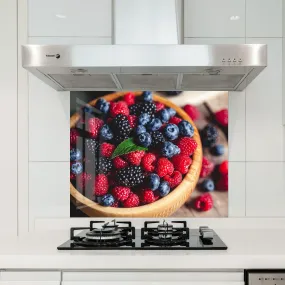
165	206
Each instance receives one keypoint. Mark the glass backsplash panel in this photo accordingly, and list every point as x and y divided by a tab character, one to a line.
149	154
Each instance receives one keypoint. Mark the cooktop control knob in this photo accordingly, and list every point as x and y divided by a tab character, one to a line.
206	233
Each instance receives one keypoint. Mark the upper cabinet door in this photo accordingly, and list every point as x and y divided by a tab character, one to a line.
264	18
219	18
70	18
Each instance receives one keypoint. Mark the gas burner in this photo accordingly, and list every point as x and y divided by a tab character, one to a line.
165	235
111	234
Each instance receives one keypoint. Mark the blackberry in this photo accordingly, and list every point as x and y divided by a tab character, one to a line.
130	176
104	165
119	138
91	147
135	109
120	126
147	107
209	135
157	139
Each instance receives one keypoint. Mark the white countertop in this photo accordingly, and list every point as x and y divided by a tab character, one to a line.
246	249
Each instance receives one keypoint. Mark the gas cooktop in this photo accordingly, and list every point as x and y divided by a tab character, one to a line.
156	235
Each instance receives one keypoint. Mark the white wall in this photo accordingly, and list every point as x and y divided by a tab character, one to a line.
256	151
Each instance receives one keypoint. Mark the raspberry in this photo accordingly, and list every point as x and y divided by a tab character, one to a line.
223	183
159	106
129	98
174	179
107	149
133	121
148	162
83	180
94	126
187	145
120	107
223	168
207	167
147	196
204	202
192	111
164	167
74	134
222	117
101	185
132	201
119	163
181	163
135	157
175	120
121	193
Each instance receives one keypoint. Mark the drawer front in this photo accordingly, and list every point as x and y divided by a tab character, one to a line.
147	283
29	283
142	278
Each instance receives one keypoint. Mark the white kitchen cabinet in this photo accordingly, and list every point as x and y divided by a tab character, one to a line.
219	18
264	130
147	283
143	278
264	18
8	115
30	278
70	18
265	186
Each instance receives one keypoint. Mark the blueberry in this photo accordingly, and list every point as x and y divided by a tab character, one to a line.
154	125
147	96
144	139
171	132
106	132
102	105
144	119
76	168
168	149
176	149
107	200
139	130
208	185
164	115
186	129
152	181
87	109
75	154
209	136
164	188
218	150
171	112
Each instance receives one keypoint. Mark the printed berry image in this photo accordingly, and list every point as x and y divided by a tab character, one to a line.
131	152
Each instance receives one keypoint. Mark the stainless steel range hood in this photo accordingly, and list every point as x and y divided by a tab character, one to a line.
131	65
150	67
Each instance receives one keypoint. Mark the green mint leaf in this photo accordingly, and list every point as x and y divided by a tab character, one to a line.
125	147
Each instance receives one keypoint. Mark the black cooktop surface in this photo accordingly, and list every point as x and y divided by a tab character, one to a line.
153	236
